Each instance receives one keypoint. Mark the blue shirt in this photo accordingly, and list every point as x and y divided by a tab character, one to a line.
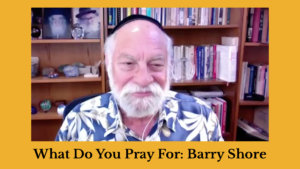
182	118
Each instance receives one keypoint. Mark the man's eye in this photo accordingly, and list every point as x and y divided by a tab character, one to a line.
156	66
128	63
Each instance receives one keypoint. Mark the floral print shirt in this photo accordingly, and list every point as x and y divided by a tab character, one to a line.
182	118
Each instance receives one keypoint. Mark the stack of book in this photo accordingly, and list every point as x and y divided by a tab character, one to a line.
255	82
209	61
174	16
212	97
258	25
219	106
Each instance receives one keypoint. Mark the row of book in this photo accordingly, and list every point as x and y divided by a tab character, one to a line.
255	82
174	16
258	25
204	62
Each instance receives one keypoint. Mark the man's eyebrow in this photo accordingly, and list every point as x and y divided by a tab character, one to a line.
157	58
126	56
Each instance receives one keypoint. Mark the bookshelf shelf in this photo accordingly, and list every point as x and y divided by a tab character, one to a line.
254	103
55	41
256	44
64	79
206	82
51	115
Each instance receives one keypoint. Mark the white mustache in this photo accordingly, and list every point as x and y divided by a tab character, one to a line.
130	88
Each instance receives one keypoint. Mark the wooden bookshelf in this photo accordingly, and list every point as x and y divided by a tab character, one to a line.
54	53
253	53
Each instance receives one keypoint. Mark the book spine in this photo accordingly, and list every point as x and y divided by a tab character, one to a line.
251	79
250	25
195	62
220	19
224	115
265	25
202	57
261	23
148	12
213	13
224	20
228	15
199	62
256	18
118	15
215	61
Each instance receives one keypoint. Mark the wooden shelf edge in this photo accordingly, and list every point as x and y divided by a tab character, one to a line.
51	115
254	103
256	44
200	82
64	79
45	41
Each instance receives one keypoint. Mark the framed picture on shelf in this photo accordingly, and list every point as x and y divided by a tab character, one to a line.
57	23
88	20
36	23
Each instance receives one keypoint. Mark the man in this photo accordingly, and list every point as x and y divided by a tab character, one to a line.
140	106
89	20
57	24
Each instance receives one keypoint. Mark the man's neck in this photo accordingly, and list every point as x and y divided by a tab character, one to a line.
139	125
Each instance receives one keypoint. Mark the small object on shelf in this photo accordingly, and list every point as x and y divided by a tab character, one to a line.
90	75
46	105
61	68
34	66
53	75
60	109
78	64
47	70
85	70
33	110
35	32
77	32
71	71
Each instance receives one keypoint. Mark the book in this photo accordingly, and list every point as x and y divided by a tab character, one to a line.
243	81
250	24
265	26
223	114
256	19
227	59
261	19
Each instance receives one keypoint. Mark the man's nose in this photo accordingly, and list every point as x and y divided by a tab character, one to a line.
143	76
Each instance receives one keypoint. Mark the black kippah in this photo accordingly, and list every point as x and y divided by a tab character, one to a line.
136	17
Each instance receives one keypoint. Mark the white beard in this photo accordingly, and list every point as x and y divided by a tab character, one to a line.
139	107
58	30
91	27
